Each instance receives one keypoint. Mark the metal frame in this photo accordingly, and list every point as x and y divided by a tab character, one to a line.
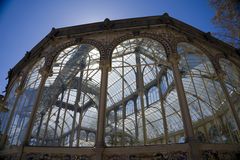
131	57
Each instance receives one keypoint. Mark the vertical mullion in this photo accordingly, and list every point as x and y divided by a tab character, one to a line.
58	114
193	83
79	90
162	106
81	110
18	110
141	94
136	120
29	100
64	116
123	105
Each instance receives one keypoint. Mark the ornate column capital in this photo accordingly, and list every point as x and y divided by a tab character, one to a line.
174	59
45	71
47	68
105	61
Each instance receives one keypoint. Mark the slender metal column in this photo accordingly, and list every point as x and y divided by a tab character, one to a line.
44	74
140	89
163	115
18	92
39	127
79	90
136	120
123	106
4	138
58	113
115	128
187	122
102	111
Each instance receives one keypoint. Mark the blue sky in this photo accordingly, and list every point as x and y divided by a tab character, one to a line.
24	23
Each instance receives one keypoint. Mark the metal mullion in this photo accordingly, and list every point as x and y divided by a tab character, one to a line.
191	76
22	123
133	65
214	117
11	132
210	102
64	116
31	97
12	114
39	128
24	118
80	117
224	115
123	104
58	114
231	105
115	126
80	122
79	90
19	108
165	126
48	119
140	89
170	106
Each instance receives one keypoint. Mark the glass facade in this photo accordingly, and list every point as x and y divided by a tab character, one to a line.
142	106
136	96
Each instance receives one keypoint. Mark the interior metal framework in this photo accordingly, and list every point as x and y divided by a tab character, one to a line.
142	88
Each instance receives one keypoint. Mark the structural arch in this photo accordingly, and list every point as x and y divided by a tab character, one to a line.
142	64
23	105
68	95
205	96
142	88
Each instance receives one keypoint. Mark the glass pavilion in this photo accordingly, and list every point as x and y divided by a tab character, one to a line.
134	92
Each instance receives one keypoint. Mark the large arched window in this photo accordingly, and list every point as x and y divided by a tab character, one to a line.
232	82
232	78
141	88
70	99
24	105
207	102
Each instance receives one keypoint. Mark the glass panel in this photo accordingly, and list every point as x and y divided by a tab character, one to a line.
24	106
9	104
141	96
232	83
67	113
207	102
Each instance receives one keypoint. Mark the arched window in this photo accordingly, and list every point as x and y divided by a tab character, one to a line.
232	83
70	98
24	105
129	108
153	95
206	99
232	78
139	68
9	104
